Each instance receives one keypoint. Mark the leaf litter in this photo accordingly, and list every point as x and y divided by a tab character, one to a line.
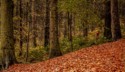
108	57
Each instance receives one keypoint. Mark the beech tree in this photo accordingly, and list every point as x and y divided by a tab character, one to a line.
107	24
116	32
47	24
70	30
54	38
7	38
34	24
21	27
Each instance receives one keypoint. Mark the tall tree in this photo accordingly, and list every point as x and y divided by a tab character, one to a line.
7	39
107	25
70	29
54	38
65	33
47	24
20	28
34	23
28	31
116	32
86	22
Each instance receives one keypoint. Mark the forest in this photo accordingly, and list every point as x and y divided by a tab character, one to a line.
54	33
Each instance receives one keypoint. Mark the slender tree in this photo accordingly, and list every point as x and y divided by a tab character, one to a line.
70	29
65	33
47	24
116	32
85	28
7	39
28	31
86	22
107	26
20	28
34	24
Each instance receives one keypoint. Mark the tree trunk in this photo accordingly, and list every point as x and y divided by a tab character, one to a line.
20	28
116	32
65	25
28	32
7	39
65	30
47	24
54	38
70	29
85	29
107	26
34	24
85	24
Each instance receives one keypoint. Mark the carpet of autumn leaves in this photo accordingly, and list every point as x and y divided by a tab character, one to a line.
108	57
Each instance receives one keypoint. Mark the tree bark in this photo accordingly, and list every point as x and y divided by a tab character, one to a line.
65	25
20	28
107	26
70	29
47	24
116	32
54	38
28	32
85	29
34	24
7	39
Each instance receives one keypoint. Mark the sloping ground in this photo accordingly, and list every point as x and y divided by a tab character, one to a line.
108	57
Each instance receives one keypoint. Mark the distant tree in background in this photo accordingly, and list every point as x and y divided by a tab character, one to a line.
70	37
34	24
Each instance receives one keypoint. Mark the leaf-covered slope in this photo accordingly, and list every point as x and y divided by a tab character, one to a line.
108	57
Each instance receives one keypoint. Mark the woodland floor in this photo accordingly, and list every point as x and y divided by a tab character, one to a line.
108	57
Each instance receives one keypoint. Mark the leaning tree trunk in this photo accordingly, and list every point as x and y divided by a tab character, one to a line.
116	32
54	40
7	39
107	26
